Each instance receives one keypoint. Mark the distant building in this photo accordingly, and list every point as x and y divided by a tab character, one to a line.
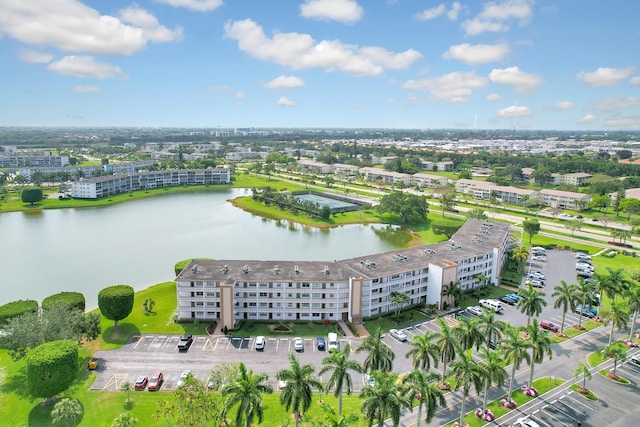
563	199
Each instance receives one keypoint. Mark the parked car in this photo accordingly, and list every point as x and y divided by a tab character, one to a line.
537	275
281	384
320	343
369	381
525	422
541	258
141	382
545	324
635	359
587	274
398	334
586	311
261	342
185	342
491	304
513	296
582	255
298	345
183	377
475	310
155	381
535	283
92	364
212	383
507	300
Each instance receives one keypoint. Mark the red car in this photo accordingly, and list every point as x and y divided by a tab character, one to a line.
155	381
545	324
141	382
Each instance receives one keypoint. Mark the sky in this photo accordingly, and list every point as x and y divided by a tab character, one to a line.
407	64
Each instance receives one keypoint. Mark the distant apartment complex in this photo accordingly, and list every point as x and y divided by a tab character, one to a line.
15	159
351	289
110	185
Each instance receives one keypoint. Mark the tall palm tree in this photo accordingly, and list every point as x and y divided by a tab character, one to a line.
297	394
339	364
617	315
422	386
616	352
423	351
453	292
380	357
399	299
467	372
385	398
490	327
66	411
494	370
514	348
531	302
246	392
468	333
583	370
540	345
584	294
446	341
519	254
613	283
566	297
633	300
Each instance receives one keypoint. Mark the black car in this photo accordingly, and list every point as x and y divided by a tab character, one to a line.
185	342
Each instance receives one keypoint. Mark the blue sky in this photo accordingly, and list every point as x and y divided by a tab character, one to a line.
563	64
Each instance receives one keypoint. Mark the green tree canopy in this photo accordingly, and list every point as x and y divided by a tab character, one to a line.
31	195
16	308
409	207
116	302
445	227
52	368
531	227
70	299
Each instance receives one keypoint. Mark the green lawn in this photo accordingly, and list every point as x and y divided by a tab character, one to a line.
573	332
595	358
407	318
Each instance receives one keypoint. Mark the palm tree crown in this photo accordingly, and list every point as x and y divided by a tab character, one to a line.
298	392
339	364
566	296
531	302
385	398
422	386
246	391
423	351
380	357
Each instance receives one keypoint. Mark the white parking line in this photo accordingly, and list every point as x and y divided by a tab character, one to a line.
138	343
551	415
166	342
569	396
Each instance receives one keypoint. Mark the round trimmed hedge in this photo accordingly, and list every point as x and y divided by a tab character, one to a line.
116	302
16	308
70	299
52	367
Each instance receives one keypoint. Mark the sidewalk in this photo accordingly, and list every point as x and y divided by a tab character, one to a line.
363	333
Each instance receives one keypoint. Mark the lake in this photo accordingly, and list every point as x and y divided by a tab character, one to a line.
138	243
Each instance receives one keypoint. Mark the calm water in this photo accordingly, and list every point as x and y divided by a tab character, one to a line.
138	243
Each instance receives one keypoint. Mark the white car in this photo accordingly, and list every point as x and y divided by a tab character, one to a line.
183	378
537	275
398	334
525	422
635	359
475	310
298	345
369	381
282	384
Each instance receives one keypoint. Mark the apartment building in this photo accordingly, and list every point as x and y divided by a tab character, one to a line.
32	158
563	199
110	185
350	289
444	166
389	177
429	181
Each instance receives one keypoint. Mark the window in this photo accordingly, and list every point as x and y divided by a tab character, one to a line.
263	294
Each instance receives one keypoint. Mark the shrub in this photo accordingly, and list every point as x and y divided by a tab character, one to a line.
116	302
31	195
16	308
52	368
70	299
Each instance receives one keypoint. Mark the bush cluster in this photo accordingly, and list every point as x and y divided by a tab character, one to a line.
16	308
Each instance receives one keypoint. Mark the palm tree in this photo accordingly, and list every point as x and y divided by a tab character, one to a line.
633	300
584	294
583	370
520	255
333	419
339	364
467	372
531	302
617	315
125	419
514	348
422	387
423	351
617	353
66	411
490	327
540	344
297	394
399	299
380	357
468	333
384	399
494	370
446	341
246	391
613	283
452	291
566	296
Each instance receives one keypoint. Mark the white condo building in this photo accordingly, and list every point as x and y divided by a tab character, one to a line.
350	289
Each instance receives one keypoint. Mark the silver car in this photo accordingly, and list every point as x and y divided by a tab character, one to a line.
398	334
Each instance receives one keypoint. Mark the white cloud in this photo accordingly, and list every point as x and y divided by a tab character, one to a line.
453	87
563	105
589	118
613	104
512	76
35	57
624	122
514	111
71	26
604	76
346	11
492	97
477	53
85	67
391	100
86	89
634	81
433	13
285	82
286	102
453	13
496	14
240	95
195	5
299	51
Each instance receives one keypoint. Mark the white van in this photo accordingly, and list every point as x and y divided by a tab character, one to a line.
333	341
492	304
